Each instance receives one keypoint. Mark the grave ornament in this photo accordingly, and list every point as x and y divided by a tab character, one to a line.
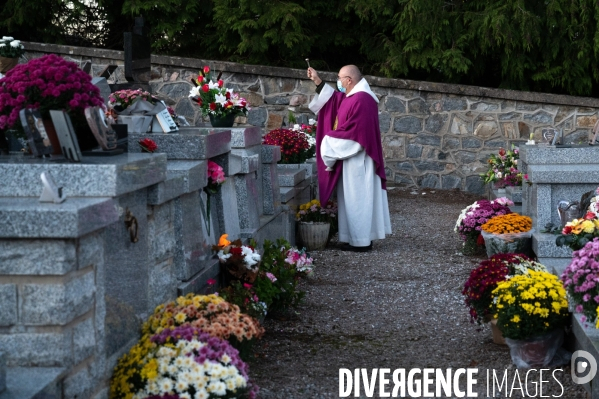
51	192
38	139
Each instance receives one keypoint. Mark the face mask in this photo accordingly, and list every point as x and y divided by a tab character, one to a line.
340	87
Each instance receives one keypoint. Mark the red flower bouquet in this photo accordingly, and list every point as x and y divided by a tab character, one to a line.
147	145
295	147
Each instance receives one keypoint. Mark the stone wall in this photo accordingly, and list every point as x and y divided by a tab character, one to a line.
434	135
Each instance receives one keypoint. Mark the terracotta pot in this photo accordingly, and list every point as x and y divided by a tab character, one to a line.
314	235
51	132
6	64
497	335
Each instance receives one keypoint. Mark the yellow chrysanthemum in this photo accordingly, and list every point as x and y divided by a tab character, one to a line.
588	226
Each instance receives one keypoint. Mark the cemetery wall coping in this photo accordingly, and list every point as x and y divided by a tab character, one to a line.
194	63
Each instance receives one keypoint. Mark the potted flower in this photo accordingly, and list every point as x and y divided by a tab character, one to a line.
503	169
185	360
580	280
471	219
315	223
577	233
210	313
295	145
10	51
240	262
509	233
49	83
531	311
484	279
217	102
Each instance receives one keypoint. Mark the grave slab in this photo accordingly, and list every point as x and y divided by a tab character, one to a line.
189	142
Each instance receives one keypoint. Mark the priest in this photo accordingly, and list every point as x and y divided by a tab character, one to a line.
349	157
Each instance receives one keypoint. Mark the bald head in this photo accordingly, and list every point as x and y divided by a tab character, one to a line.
352	74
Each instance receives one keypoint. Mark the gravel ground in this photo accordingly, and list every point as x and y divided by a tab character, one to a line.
398	306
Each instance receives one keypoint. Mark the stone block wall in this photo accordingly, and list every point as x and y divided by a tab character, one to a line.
434	135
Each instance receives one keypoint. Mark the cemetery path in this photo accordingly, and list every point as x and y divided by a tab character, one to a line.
398	306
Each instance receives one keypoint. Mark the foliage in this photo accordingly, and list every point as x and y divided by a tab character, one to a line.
48	82
244	296
538	46
313	212
214	98
284	290
529	305
580	279
10	48
295	145
503	168
185	360
509	223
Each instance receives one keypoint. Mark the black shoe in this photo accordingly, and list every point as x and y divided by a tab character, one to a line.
347	247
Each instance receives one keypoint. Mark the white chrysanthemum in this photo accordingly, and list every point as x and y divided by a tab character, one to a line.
153	388
172	369
250	258
225	358
240	381
179	362
2	45
8	38
181	386
311	121
165	384
188	362
163	366
231	385
185	396
218	388
201	394
15	44
165	352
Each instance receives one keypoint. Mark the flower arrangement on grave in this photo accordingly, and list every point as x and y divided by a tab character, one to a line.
508	223
184	362
581	280
577	233
240	262
309	132
303	263
314	212
503	168
11	48
214	98
216	177
245	296
147	145
278	282
210	313
471	219
122	99
49	83
530	304
295	145
484	279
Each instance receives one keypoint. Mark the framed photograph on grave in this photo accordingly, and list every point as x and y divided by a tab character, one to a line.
66	135
38	139
103	133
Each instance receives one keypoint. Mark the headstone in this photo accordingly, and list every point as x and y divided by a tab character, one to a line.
137	53
102	84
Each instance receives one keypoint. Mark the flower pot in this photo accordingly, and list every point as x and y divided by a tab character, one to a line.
314	235
496	332
51	132
6	64
536	351
508	243
222	120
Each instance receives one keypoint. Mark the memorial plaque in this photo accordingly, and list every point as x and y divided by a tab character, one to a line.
549	135
39	143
